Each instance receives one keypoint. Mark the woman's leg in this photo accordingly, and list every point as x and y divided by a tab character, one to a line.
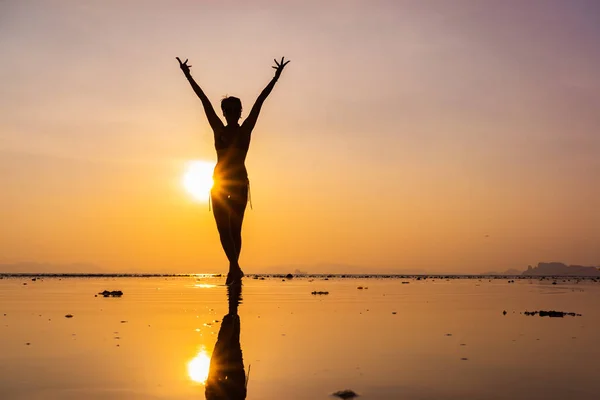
228	208
239	199
222	213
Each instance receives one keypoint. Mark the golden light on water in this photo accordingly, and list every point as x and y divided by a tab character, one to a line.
198	367
198	179
204	285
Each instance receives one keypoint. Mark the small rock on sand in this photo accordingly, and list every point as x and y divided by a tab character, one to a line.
69	316
319	292
551	314
113	293
345	394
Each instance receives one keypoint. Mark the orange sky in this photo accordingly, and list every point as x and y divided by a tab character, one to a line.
401	133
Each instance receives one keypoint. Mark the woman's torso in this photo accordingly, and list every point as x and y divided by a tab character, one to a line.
231	143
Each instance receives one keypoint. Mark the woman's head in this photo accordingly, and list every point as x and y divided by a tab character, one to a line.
232	109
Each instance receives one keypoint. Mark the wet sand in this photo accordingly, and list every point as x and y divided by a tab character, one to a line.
425	339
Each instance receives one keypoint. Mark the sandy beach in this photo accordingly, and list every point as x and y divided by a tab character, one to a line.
395	338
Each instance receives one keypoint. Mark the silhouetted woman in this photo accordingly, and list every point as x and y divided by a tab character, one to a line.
229	194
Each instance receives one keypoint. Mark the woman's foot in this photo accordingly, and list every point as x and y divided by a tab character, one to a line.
234	276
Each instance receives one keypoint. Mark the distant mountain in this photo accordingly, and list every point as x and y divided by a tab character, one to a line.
511	271
561	269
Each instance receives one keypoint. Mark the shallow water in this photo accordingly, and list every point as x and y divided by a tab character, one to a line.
428	339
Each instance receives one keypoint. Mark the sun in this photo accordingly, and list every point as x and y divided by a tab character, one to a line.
198	179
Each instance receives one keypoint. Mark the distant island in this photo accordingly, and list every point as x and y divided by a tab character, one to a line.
561	269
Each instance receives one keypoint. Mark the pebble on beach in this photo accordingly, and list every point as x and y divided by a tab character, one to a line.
345	394
114	293
551	314
69	316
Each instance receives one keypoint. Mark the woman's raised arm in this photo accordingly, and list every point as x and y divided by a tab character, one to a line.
250	121
214	121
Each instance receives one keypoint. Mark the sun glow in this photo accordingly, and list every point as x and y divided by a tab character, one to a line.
198	179
199	366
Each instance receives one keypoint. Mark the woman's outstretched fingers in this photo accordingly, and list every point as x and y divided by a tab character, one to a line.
279	65
183	65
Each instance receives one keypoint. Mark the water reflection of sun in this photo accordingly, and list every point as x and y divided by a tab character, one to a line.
198	366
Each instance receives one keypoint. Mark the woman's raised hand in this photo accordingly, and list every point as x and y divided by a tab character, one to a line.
184	66
279	66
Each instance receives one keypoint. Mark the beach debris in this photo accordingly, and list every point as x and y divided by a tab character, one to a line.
504	312
114	293
69	316
345	394
551	314
28	344
360	288
289	276
319	292
394	312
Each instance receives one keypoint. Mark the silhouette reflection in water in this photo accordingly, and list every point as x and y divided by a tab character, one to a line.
226	376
